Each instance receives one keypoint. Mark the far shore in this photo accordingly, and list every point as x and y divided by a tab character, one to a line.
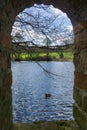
45	59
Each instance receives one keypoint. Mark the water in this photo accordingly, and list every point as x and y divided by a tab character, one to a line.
31	82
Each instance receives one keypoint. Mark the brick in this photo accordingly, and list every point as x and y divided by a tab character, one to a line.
80	117
81	44
81	80
84	59
4	62
84	103
81	37
80	61
7	82
6	40
77	62
78	96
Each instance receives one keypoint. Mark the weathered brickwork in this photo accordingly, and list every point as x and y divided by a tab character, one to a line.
80	117
77	12
80	82
5	70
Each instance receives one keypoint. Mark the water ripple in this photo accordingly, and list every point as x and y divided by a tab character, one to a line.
29	86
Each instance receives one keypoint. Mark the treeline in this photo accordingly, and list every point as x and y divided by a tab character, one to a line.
21	52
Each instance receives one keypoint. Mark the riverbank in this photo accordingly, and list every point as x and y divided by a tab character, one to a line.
61	60
55	125
43	59
53	56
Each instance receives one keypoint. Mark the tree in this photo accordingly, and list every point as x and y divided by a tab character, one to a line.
41	30
18	37
42	25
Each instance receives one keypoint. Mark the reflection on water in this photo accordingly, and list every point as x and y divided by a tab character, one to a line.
31	83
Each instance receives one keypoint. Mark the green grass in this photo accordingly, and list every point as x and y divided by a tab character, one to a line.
68	55
36	56
54	55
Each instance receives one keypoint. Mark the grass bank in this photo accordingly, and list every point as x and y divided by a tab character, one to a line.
42	56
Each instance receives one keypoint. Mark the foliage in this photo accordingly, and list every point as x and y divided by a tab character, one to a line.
42	56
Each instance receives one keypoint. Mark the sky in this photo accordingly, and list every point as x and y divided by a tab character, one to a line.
51	21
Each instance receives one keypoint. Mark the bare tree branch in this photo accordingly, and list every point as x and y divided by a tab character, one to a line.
40	25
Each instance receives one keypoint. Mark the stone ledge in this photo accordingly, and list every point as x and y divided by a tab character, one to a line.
81	80
80	117
56	125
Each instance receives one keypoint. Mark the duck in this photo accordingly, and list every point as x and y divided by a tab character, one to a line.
47	95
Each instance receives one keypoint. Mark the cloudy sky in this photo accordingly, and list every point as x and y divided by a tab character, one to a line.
44	21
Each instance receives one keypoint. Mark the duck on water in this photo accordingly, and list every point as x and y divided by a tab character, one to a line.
47	95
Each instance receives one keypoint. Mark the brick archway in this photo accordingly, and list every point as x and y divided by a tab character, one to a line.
77	12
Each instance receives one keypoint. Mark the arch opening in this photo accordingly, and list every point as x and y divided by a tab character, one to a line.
77	13
37	32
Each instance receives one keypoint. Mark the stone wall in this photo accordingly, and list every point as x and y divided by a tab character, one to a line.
5	71
80	87
8	11
77	11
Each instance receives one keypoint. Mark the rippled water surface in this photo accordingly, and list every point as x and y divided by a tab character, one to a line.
31	83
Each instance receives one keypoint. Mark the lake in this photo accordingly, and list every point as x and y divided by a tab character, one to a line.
32	80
